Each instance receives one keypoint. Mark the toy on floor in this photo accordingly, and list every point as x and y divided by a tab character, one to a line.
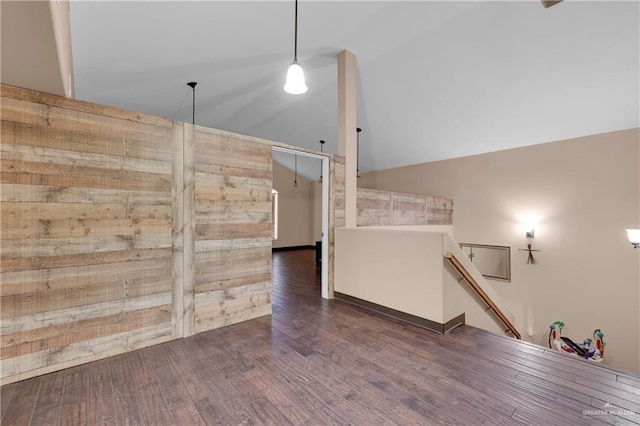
585	350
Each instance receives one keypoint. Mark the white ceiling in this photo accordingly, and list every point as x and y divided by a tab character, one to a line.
437	79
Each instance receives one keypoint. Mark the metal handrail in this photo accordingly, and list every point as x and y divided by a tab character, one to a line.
480	292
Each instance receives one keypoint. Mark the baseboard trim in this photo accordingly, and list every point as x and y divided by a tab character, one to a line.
293	248
453	323
403	316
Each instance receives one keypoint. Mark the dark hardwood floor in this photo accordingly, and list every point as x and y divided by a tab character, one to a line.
320	362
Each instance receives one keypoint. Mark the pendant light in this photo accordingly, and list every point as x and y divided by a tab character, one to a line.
358	129
192	84
295	177
321	150
295	75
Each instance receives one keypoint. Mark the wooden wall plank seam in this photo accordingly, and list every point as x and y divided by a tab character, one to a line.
177	230
188	289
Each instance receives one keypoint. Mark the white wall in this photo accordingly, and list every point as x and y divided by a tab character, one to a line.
401	270
583	193
299	209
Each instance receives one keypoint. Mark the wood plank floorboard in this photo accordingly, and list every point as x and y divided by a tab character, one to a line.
317	362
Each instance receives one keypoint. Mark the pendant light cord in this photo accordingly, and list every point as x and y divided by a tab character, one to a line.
295	35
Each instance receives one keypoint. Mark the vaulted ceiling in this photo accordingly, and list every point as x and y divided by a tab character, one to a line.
436	79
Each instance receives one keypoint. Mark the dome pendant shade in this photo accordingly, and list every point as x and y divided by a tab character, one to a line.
295	83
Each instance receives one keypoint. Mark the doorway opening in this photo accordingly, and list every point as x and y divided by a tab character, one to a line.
324	245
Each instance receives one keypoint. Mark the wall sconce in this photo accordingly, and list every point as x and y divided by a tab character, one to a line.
634	237
529	231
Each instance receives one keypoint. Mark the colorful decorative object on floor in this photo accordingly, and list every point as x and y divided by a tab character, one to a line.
591	349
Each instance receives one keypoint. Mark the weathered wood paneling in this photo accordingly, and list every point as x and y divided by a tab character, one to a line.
439	210
383	208
232	229
87	211
374	207
336	210
121	230
337	194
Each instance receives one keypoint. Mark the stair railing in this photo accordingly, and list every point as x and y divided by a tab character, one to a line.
480	292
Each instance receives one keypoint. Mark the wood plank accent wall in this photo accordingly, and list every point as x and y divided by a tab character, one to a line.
337	193
87	209
384	208
337	170
122	230
233	228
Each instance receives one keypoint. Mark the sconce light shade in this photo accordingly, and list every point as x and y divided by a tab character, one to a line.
530	232
634	237
295	83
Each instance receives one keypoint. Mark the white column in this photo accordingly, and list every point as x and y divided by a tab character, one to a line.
347	136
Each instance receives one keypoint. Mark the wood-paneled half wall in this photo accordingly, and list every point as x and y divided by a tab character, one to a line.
121	230
386	208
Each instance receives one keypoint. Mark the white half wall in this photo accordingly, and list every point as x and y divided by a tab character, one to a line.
404	268
401	270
